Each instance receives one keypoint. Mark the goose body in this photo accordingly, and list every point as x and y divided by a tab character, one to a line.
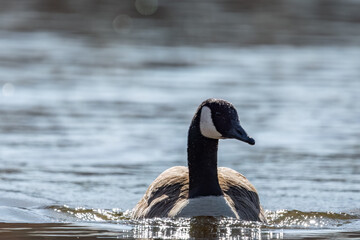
203	189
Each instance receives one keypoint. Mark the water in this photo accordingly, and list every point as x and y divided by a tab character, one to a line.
86	126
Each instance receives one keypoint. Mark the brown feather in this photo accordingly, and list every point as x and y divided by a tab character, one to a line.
169	192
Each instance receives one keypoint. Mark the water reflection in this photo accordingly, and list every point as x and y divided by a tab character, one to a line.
203	228
146	7
96	101
8	90
121	23
57	231
280	224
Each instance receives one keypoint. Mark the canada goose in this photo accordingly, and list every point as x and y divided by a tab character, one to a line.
203	189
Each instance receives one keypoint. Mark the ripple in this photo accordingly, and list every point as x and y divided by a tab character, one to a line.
299	219
91	214
279	219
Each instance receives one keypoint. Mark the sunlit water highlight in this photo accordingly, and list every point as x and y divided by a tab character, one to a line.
280	224
92	127
275	219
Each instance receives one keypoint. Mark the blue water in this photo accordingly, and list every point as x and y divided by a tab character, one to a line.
85	128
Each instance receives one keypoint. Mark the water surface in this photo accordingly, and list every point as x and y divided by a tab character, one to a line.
85	128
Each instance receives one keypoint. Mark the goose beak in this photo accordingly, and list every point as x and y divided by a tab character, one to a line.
239	133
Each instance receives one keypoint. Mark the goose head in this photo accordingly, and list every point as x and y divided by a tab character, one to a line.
219	120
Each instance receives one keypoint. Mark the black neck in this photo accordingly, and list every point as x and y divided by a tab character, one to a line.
202	162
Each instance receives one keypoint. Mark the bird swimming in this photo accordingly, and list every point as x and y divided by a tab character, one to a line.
203	189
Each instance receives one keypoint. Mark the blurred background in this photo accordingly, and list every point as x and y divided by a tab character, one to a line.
96	98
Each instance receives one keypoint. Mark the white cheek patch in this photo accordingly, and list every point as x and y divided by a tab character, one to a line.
207	127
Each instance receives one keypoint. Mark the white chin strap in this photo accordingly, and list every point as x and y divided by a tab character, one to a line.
207	127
